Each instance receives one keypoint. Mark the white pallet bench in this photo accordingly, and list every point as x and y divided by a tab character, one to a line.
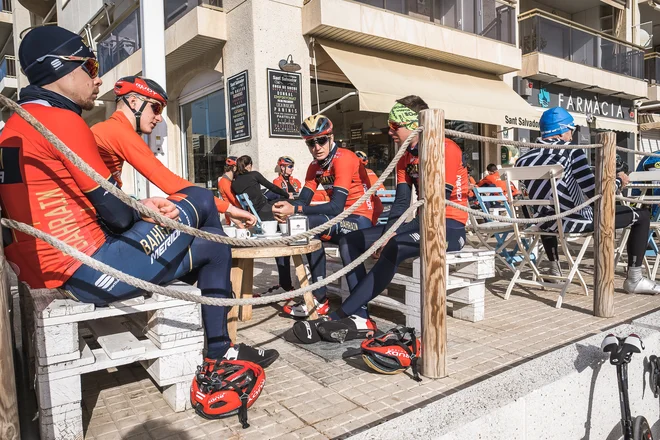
468	271
163	334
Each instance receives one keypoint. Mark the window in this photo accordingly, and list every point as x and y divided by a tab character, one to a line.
205	138
120	43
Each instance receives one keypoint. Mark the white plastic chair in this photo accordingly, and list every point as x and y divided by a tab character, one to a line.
551	173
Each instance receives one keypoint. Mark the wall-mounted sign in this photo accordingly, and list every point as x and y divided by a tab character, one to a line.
285	103
356	132
578	101
239	107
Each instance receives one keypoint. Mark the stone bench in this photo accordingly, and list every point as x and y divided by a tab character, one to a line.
468	271
66	339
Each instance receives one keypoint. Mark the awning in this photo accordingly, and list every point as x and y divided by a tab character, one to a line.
648	121
464	94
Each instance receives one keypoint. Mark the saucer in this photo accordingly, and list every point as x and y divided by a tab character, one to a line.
276	235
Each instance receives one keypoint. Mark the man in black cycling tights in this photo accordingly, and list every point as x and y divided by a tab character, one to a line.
351	320
45	189
345	179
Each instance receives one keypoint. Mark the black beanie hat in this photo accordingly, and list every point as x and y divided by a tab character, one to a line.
50	40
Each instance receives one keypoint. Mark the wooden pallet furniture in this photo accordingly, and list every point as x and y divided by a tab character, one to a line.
467	269
67	338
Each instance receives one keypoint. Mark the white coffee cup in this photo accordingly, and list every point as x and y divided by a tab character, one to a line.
284	228
230	231
269	228
243	233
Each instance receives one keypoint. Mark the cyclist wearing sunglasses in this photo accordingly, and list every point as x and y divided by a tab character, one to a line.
285	180
344	178
140	104
42	188
352	316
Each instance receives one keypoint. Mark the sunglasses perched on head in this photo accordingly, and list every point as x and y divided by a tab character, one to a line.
90	65
321	140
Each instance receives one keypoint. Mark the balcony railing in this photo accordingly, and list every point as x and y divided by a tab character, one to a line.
122	42
652	68
8	67
175	9
493	19
552	35
6	6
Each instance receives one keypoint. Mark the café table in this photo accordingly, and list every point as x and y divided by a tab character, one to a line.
242	276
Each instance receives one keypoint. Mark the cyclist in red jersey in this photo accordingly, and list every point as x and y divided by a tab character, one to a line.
285	180
224	184
373	177
40	187
140	104
352	316
344	178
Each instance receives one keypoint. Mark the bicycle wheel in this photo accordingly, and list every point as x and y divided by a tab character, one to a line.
641	429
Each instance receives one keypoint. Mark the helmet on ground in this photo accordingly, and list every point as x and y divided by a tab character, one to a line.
556	121
141	86
362	156
230	161
226	388
393	352
316	125
285	160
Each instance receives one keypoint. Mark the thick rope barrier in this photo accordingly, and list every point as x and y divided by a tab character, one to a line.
535	220
172	224
649	201
476	137
223	302
637	153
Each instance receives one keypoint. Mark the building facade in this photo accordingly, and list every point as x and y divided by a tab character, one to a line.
230	70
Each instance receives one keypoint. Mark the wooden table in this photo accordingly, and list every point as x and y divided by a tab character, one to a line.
242	278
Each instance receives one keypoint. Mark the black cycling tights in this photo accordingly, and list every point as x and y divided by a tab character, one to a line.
366	286
639	221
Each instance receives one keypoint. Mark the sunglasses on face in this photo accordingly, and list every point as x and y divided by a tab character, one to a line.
90	65
321	140
156	106
393	125
289	166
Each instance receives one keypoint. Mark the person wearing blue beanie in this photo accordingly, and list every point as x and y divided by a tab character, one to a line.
576	185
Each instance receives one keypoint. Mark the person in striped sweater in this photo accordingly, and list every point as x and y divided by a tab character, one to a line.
577	185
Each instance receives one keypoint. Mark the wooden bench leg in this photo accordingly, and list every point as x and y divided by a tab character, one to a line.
301	273
236	285
245	312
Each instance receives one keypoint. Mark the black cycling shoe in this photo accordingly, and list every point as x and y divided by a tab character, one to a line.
244	352
346	329
306	331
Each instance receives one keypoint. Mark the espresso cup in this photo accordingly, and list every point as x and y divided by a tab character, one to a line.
243	233
269	228
284	228
230	231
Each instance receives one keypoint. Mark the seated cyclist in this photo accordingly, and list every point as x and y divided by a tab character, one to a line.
224	184
351	320
344	178
140	104
44	189
577	185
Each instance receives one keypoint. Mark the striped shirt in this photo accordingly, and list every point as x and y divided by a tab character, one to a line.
577	185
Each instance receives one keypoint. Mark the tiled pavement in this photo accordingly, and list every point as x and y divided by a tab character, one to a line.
308	397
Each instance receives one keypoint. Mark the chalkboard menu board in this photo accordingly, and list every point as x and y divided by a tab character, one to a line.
239	106
285	103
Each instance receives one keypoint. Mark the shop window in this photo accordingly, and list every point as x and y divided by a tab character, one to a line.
205	138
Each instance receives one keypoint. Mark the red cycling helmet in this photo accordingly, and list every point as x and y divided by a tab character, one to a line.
393	352
143	87
285	160
230	161
226	388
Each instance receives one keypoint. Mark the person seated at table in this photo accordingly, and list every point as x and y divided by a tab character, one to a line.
577	185
224	185
373	178
285	179
493	179
352	320
247	181
45	189
344	178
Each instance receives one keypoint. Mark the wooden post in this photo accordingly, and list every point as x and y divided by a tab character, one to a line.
604	226
9	425
433	244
